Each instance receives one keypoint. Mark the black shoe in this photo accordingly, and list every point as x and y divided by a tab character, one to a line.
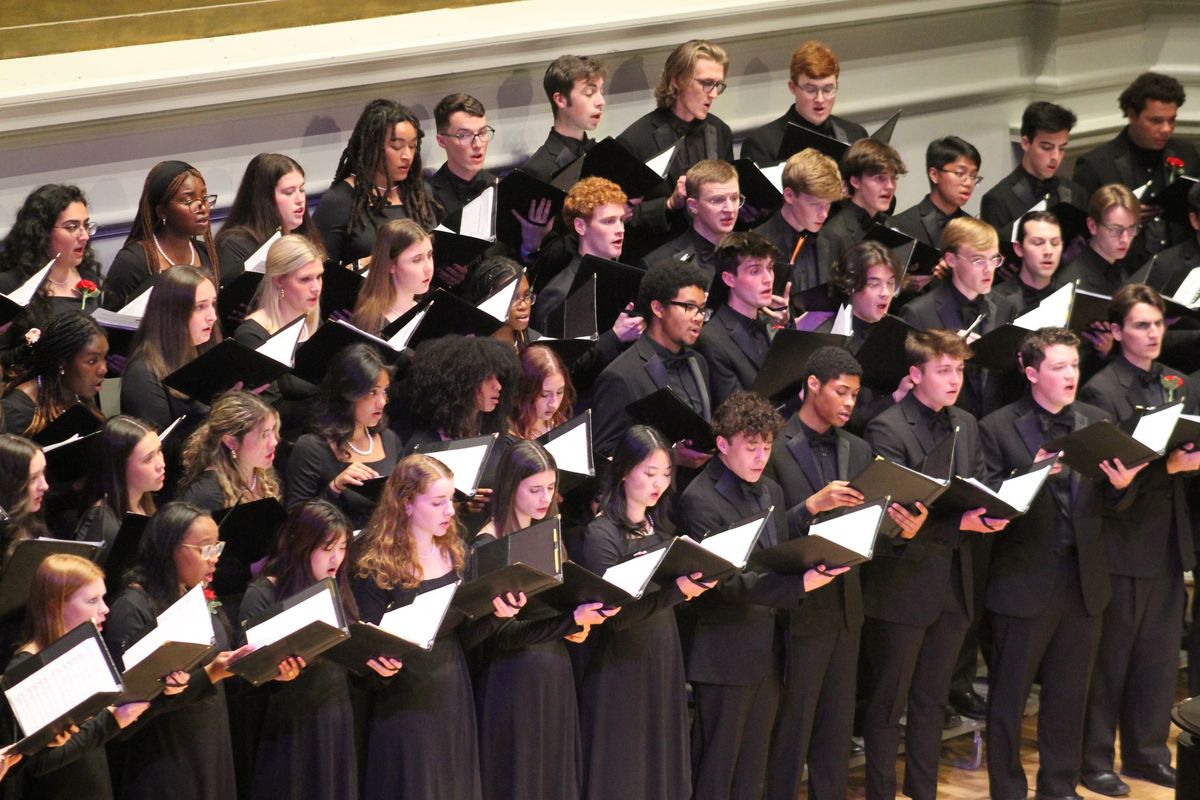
1040	796
952	720
1106	783
969	704
1162	774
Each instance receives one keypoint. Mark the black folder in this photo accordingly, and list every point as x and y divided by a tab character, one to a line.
569	350
450	454
571	445
124	552
1173	199
248	531
235	298
369	641
76	420
882	478
757	188
576	317
818	298
674	419
796	556
581	586
882	354
686	556
339	289
217	370
1088	307
70	443
143	680
884	132
782	373
616	287
915	256
516	192
798	137
997	349
314	354
10	307
441	314
306	642
450	248
1084	449
609	159
85	635
27	556
962	495
528	560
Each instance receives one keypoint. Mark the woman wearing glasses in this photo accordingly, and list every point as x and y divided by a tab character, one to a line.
171	227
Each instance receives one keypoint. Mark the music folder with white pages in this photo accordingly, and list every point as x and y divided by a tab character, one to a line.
402	630
621	583
1010	500
182	637
718	555
65	684
842	538
304	625
1143	437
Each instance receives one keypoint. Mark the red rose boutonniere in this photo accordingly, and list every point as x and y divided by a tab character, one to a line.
86	289
211	597
1172	384
1174	166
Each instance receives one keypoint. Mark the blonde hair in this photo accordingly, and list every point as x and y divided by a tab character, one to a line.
389	552
56	579
379	291
234	414
289	254
681	64
968	232
812	172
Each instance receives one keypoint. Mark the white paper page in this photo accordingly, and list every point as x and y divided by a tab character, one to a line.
854	531
734	544
113	319
662	161
632	574
774	174
418	622
1188	293
167	430
466	463
1019	490
1154	429
187	620
318	608
478	216
571	450
24	293
282	344
1053	312
257	262
843	323
1041	205
61	685
1140	191
498	304
74	437
137	306
400	340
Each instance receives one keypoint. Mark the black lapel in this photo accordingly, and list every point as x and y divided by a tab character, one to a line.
802	455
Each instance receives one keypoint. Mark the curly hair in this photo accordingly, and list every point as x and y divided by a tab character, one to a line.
520	461
363	158
587	195
664	280
539	362
254	212
234	414
64	338
681	64
387	550
746	413
1150	86
26	249
352	375
849	273
444	379
1033	349
310	526
162	182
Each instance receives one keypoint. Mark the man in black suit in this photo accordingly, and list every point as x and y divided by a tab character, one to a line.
713	200
952	166
1039	246
1149	538
1173	265
1103	266
870	170
917	590
575	88
1145	151
736	340
1045	131
737	653
814	84
813	462
671	298
1048	582
811	185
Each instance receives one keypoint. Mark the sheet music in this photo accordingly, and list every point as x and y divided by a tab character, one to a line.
24	293
1019	490
117	320
499	303
571	450
1140	191
74	437
56	688
400	340
854	531
281	346
632	575
843	323
466	463
1053	312
419	621
257	262
662	162
137	306
1188	293
734	544
774	174
479	217
1041	205
318	608
1154	429
187	620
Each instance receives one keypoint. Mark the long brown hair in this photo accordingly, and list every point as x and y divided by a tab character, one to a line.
162	339
57	578
520	461
388	552
539	362
234	414
379	291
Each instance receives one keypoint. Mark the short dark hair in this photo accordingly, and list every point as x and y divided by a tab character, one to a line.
453	103
1041	115
921	347
746	413
870	157
739	245
1048	217
1128	296
1150	86
663	281
827	363
562	73
941	152
1033	348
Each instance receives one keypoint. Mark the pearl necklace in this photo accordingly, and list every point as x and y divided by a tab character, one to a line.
167	258
368	451
432	550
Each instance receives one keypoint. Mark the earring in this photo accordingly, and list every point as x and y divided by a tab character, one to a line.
233	454
281	295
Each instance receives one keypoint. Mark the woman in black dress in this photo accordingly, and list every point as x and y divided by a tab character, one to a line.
378	178
229	459
68	591
306	743
632	701
130	468
525	692
348	440
64	367
184	754
172	227
403	259
421	738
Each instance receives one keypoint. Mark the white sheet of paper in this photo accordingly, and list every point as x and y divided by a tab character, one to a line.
843	323
24	293
61	685
257	262
479	216
117	320
466	463
167	430
661	162
137	306
1040	205
632	574
499	303
1140	191
282	344
571	450
734	544
1053	312
853	531
418	622
1019	490
1154	429
774	174
1188	293
74	437
400	340
318	608
187	620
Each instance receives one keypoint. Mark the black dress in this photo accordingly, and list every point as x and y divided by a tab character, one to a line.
205	492
130	274
632	702
312	465
306	740
99	524
332	218
291	396
184	752
528	717
19	409
144	396
421	736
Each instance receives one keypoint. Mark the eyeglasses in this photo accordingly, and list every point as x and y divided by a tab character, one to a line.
528	298
207	551
720	201
693	310
709	86
829	90
200	203
979	262
464	138
963	175
75	226
1119	230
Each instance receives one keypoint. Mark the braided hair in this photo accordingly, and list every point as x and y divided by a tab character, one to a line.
46	362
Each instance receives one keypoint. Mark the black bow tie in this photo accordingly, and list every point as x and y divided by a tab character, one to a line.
940	419
676	360
1063	421
828	439
1151	378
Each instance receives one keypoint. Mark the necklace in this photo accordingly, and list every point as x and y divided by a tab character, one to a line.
63	282
167	258
370	448
432	550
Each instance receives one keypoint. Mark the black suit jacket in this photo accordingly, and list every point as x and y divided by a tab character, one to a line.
783	236
1173	265
634	374
684	248
729	352
906	580
762	144
653	133
793	467
921	222
1152	519
733	625
1008	200
1021	580
845	227
554	155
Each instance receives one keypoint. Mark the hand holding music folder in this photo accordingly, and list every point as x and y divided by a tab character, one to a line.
182	639
883	478
674	418
1143	437
717	555
1011	500
997	349
840	538
26	557
302	626
63	685
621	583
402	630
528	560
516	192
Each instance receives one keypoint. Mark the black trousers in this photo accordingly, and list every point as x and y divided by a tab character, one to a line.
1059	644
816	717
979	635
1133	685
